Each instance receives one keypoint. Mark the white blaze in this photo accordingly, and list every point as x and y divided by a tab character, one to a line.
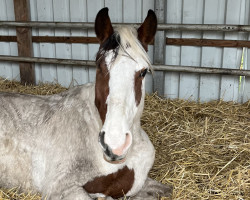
121	104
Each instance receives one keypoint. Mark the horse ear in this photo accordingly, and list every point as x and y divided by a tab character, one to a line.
103	27
147	30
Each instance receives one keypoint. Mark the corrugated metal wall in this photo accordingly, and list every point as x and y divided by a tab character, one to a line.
8	70
205	87
177	85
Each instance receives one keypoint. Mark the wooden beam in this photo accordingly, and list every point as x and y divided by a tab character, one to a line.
51	39
24	41
4	38
54	39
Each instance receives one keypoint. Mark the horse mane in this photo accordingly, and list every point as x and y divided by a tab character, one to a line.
123	42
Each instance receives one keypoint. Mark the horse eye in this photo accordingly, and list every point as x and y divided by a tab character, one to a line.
143	73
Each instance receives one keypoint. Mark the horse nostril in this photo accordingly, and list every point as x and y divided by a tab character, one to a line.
106	149
109	156
101	140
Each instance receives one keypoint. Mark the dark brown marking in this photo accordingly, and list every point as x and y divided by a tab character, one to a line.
115	185
137	87
102	89
103	30
147	30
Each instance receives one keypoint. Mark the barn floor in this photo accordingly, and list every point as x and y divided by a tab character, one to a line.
203	150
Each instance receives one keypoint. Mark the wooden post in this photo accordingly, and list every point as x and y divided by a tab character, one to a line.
159	49
24	41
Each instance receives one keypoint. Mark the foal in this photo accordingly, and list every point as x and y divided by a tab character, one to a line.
86	142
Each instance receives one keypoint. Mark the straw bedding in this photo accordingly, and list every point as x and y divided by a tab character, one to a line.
202	149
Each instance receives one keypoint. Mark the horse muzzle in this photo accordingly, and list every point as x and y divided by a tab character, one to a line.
108	153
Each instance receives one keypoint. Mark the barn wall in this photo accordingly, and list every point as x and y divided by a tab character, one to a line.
8	70
206	87
177	85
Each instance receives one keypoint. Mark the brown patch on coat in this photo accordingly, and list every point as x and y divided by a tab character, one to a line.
115	185
102	88
137	87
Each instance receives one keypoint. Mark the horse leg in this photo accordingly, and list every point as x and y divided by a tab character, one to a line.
153	190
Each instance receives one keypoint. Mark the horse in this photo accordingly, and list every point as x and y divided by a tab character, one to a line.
87	142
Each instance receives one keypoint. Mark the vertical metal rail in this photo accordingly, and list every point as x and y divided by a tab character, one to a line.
159	49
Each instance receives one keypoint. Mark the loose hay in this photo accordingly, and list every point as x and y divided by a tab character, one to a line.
15	194
40	89
203	150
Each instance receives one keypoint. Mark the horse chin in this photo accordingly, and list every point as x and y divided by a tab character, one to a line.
119	161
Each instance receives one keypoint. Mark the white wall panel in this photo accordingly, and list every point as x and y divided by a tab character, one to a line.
63	50
146	5
47	50
78	13
205	87
115	9
36	46
93	6
173	53
13	45
212	56
245	84
132	11
190	56
7	69
231	56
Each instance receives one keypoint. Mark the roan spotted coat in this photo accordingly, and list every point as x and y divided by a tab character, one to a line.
65	147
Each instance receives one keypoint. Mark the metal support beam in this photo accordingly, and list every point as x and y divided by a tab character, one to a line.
173	68
159	49
161	26
47	60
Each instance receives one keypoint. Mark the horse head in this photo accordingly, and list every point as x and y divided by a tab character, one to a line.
122	63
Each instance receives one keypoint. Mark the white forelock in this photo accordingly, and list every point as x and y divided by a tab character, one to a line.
129	44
